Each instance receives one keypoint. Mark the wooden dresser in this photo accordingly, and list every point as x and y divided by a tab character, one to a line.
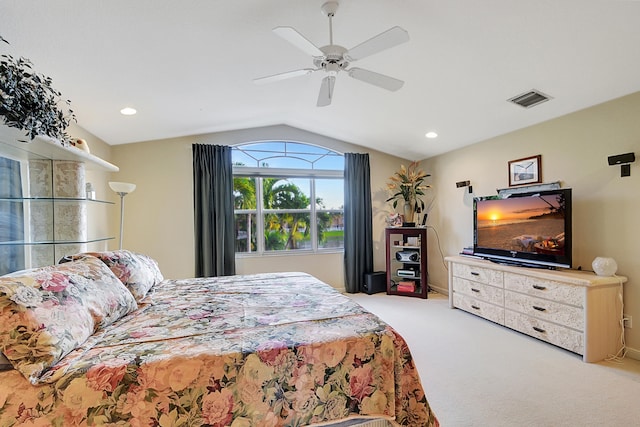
575	310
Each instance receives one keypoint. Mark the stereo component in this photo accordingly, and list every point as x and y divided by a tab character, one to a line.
621	158
375	282
406	273
407	256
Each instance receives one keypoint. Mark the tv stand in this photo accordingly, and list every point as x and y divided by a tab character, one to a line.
574	310
411	240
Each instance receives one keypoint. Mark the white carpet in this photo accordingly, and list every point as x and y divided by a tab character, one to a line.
476	373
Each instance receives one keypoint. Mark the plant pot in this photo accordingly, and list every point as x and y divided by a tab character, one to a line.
408	213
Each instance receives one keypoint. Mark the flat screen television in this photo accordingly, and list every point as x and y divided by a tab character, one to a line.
527	229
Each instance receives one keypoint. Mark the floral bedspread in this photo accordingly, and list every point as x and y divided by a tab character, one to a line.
256	350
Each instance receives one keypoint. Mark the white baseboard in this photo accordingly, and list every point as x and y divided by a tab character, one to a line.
443	291
633	353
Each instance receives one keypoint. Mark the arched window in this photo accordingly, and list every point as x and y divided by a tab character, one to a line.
289	196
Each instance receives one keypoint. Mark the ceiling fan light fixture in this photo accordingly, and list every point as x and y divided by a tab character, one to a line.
334	58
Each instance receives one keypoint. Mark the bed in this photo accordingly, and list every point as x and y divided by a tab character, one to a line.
103	340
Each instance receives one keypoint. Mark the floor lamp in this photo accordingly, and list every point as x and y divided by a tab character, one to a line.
122	189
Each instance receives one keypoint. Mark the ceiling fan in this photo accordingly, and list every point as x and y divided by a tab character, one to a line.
334	58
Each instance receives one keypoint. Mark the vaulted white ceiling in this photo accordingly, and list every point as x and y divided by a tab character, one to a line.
187	66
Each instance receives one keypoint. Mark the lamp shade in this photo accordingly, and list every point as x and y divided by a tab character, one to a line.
122	187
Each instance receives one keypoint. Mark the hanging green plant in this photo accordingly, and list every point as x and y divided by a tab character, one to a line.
29	102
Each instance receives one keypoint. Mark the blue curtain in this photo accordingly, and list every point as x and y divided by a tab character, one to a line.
11	216
213	210
358	234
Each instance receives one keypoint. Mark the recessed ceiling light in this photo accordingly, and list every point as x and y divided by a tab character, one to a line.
128	111
431	135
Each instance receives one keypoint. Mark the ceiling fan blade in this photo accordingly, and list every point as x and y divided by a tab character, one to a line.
326	91
298	40
390	38
282	76
376	79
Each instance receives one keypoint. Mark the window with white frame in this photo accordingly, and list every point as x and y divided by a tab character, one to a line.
289	196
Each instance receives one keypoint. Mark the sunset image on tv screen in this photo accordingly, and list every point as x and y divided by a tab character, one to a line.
524	224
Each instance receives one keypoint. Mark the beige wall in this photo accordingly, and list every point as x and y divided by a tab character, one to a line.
99	222
574	149
159	213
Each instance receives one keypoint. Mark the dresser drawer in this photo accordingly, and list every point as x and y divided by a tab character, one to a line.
478	274
479	307
574	310
547	289
546	331
543	309
480	291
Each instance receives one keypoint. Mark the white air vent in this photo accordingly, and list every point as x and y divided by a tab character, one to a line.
529	99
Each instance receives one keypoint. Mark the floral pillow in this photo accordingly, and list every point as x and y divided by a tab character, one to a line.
137	272
47	312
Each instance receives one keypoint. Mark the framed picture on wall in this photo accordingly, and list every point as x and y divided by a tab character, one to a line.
525	171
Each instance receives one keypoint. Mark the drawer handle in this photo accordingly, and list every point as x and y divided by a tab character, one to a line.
473	273
475	307
475	290
539	308
540	288
542	331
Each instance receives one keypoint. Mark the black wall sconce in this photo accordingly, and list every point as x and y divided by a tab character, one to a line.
465	184
623	160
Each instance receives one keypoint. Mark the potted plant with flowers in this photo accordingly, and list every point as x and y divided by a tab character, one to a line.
407	186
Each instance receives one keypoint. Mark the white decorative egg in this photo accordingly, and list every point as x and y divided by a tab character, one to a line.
604	266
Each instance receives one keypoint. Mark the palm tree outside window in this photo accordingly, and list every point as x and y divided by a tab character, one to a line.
288	196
